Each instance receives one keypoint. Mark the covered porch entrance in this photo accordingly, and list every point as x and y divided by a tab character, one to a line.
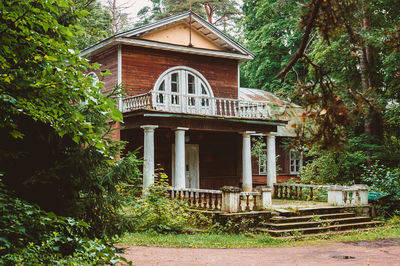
198	152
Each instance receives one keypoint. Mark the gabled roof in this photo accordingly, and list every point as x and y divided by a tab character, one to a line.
229	47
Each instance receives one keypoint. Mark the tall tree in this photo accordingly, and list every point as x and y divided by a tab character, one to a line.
343	47
222	13
57	148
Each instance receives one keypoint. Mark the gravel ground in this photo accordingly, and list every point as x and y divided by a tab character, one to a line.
378	252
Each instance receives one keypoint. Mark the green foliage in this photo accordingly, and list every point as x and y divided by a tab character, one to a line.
30	236
156	212
57	147
341	167
96	25
223	13
387	181
271	31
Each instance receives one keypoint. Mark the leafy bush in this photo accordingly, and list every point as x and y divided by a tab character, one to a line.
156	212
30	236
341	167
387	181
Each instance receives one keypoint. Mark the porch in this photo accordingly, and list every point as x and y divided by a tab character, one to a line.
283	196
198	152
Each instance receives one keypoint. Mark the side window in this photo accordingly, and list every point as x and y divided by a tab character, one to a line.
94	77
262	162
296	161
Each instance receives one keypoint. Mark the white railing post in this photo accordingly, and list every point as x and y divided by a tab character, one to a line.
265	201
336	196
363	193
230	199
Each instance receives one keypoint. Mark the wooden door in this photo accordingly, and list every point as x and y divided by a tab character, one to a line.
192	172
192	165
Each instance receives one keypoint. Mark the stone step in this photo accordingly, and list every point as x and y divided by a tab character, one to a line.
316	230
321	210
311	211
292	219
319	223
328	233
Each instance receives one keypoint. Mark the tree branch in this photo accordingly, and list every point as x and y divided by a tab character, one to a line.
300	51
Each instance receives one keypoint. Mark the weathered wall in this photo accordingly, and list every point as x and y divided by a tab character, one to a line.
142	67
108	60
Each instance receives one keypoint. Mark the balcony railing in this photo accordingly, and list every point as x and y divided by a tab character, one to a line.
198	105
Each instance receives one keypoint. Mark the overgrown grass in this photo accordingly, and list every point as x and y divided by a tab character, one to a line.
224	240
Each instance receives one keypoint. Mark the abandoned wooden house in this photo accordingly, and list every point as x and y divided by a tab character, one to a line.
185	107
185	110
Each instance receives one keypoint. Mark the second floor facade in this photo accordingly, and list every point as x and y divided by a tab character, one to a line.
180	64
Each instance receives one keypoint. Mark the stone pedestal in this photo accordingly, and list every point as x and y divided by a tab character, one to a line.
335	196
266	198
363	193
230	199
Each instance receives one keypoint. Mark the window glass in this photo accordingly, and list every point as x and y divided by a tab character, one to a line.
262	162
295	161
191	87
162	86
203	90
174	82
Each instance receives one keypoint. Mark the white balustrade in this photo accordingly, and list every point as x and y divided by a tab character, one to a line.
198	104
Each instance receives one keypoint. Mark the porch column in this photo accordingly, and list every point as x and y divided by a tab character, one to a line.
180	157
148	164
271	160
247	176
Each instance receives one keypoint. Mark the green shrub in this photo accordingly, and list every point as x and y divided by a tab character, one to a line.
156	212
387	181
30	236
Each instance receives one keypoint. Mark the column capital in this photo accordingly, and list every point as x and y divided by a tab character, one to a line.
149	127
182	128
271	134
244	133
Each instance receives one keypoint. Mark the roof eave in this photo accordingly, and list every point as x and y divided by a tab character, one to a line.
161	46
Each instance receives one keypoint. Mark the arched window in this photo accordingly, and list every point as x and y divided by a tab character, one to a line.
183	89
94	77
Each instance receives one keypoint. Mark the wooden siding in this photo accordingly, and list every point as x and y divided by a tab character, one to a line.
141	68
108	60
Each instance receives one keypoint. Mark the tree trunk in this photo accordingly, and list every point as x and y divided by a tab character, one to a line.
373	120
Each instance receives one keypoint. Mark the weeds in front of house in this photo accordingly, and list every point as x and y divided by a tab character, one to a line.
248	240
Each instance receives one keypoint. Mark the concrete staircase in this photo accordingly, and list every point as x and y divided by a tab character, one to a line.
316	221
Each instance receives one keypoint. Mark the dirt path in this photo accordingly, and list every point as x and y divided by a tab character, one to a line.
378	252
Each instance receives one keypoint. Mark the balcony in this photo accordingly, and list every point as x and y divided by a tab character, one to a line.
198	105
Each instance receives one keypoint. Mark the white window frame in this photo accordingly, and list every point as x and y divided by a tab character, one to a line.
94	77
182	100
293	161
262	163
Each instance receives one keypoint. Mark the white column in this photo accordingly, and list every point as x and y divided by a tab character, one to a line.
148	164
179	166
271	160
247	177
